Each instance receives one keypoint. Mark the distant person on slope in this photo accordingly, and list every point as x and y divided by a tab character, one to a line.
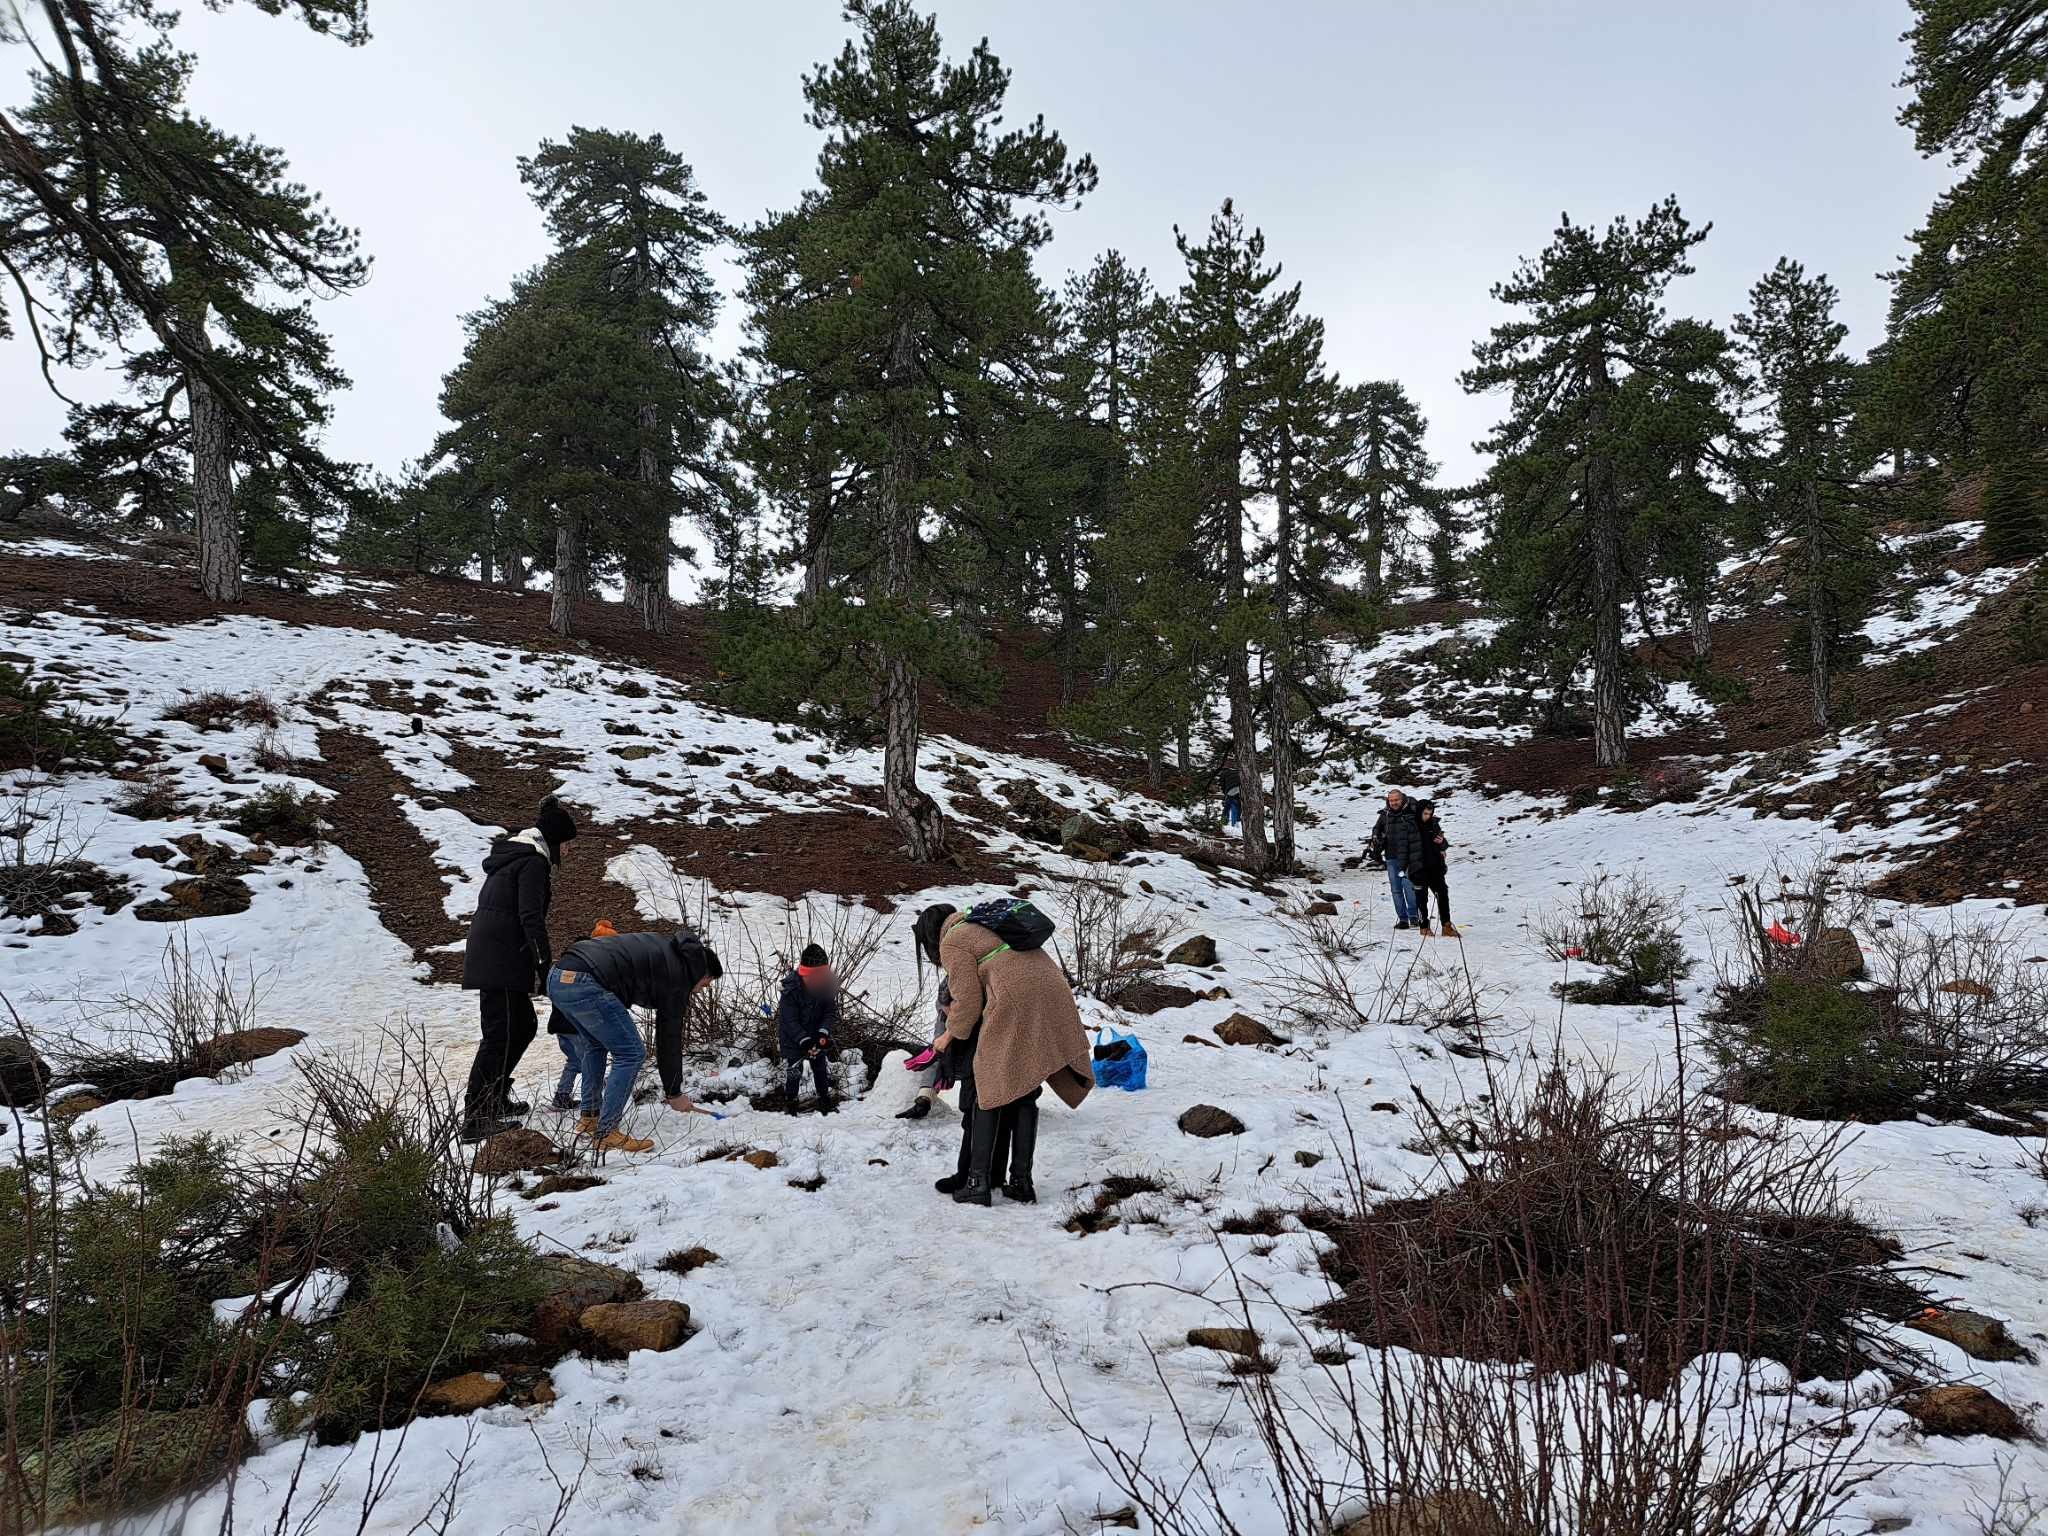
505	962
1231	783
1397	841
1015	1012
1430	873
596	985
805	1022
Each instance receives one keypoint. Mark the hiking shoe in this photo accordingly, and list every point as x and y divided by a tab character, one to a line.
1450	932
562	1104
586	1125
619	1141
484	1127
1425	931
952	1183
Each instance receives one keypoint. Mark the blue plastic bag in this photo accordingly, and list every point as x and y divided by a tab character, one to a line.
1125	1072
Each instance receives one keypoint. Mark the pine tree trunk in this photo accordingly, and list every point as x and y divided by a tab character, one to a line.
1702	626
1816	609
1155	767
1244	726
1277	704
568	574
1182	758
213	492
1375	528
1610	742
818	537
915	813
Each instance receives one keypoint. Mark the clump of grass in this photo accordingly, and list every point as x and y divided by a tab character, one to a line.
216	711
1102	1211
281	814
681	1261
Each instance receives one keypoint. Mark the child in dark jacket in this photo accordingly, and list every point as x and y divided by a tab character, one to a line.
804	1024
1430	871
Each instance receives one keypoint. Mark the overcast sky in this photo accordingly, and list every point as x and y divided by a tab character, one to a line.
1399	156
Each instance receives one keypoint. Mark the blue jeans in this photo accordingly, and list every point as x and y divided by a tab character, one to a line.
1406	908
572	1068
606	1028
1233	810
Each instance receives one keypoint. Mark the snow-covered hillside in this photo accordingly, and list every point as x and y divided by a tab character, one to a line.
871	1356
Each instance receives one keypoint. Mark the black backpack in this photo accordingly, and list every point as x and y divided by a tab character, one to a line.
1020	925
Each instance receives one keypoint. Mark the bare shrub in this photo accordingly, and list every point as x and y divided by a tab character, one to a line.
278	813
1111	934
138	1044
270	755
153	797
1579	1224
1811	904
42	864
217	711
1326	977
1567	1337
1627	927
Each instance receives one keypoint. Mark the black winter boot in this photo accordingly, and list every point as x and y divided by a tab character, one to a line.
950	1184
484	1127
1023	1145
976	1190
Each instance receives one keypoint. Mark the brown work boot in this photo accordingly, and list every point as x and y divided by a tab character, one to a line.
1424	928
587	1126
1451	932
619	1141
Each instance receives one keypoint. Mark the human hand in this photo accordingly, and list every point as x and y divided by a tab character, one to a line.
683	1104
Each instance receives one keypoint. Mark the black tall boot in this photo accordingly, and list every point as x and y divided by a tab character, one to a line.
956	1181
1023	1143
975	1191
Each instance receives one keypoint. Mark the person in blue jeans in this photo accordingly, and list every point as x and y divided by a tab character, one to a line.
595	986
1398	840
1232	785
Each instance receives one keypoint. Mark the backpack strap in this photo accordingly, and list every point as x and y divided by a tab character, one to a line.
958	919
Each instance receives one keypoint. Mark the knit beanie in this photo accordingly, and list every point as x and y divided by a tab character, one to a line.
555	824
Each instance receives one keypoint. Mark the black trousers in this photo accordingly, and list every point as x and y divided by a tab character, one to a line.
793	1077
1437	886
1006	1119
506	1027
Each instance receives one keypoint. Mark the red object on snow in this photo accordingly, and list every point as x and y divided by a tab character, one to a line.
1780	934
1575	953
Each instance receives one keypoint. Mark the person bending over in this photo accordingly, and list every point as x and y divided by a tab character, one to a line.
596	985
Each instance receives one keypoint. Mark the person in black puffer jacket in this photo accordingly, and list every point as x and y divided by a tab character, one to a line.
805	1021
1398	841
505	962
596	985
1430	874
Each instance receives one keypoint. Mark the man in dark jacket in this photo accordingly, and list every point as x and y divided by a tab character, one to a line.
1397	839
805	1021
595	985
1231	784
506	962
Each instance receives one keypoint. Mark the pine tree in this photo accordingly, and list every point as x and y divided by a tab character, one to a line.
1809	480
1967	350
1229	320
1570	545
914	305
128	216
1395	473
632	208
2016	510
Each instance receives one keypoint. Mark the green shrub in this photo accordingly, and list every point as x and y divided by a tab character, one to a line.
2026	630
410	1319
38	731
1809	1047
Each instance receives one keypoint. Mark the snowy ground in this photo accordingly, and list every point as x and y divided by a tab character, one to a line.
866	1359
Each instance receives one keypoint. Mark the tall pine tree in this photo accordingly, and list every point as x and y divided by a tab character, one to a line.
1808	475
918	308
127	216
1571	545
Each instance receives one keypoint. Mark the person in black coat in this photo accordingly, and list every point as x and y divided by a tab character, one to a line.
505	962
1397	841
596	985
1231	784
805	1021
1430	873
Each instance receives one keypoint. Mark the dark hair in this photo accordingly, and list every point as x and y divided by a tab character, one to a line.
814	954
930	924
